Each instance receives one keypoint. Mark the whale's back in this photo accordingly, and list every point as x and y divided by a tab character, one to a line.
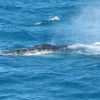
35	49
46	47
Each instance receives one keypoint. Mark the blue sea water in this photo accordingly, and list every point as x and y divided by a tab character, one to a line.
55	76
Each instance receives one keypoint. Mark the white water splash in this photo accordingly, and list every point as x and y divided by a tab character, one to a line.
55	18
88	49
28	53
37	23
38	53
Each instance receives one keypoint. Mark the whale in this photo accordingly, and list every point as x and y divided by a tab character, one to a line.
38	48
50	48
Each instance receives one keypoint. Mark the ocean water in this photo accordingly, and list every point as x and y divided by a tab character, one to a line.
71	75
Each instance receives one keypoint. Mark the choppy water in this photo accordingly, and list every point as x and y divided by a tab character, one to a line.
54	76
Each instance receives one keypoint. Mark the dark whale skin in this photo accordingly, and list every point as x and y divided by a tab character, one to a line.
37	48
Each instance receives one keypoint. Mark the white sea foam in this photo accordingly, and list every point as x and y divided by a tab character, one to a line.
86	48
55	18
38	23
28	53
38	53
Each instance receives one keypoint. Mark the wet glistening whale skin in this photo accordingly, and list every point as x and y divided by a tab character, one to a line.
37	48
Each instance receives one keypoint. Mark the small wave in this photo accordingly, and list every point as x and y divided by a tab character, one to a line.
55	18
52	19
38	23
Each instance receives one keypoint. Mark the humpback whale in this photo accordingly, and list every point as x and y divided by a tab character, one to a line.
49	48
36	49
